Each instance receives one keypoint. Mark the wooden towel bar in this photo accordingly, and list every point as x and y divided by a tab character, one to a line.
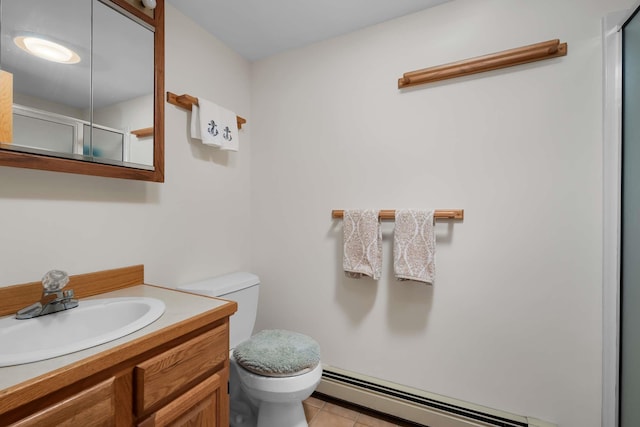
506	58
390	214
186	101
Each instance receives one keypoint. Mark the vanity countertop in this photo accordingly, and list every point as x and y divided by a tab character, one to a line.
181	309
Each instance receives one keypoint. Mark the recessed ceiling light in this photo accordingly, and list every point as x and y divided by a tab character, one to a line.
46	49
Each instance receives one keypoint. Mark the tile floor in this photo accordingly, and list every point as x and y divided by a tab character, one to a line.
323	411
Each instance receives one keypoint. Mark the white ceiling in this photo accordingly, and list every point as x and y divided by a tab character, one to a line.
253	28
260	28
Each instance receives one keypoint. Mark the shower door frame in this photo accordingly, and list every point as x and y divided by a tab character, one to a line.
612	203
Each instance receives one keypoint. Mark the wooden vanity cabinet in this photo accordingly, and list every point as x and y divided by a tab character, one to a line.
183	383
176	374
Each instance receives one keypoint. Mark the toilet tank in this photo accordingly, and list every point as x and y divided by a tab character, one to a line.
241	287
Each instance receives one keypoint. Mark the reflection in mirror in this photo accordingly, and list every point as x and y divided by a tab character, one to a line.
122	88
51	98
92	101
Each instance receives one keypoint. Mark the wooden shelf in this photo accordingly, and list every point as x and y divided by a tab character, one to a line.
143	133
187	101
508	58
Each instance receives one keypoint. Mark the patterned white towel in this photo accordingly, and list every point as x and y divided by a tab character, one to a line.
362	243
414	246
203	123
214	125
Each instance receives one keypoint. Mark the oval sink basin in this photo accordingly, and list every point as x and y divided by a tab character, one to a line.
92	323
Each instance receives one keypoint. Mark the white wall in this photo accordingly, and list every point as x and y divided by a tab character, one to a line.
514	318
192	226
132	114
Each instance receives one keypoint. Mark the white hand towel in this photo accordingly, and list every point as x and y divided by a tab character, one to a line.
214	125
210	123
229	130
362	243
195	122
414	246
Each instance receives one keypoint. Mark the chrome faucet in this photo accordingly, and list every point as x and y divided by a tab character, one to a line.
53	298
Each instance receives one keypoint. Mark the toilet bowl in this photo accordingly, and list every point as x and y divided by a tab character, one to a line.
278	400
258	399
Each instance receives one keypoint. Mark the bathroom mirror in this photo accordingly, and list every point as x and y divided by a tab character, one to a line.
95	105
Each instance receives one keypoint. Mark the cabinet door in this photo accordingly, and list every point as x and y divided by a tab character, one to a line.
196	408
94	406
161	378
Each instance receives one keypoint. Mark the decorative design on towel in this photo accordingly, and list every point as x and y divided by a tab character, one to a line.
278	353
214	125
414	245
362	244
212	129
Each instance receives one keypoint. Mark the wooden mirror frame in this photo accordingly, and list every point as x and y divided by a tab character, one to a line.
37	161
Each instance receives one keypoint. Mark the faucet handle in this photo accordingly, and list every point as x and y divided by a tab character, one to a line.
55	280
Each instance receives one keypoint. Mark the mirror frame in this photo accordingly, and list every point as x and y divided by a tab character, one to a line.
42	162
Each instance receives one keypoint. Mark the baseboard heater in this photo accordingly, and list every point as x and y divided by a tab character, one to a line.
413	405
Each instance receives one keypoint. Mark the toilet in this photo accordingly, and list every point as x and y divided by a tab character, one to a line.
263	391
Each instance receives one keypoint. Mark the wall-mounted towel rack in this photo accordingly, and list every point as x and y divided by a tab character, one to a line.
507	58
390	214
186	101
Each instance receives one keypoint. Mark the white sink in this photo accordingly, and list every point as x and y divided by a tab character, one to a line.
93	322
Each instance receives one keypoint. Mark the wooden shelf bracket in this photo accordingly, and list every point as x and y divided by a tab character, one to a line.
507	58
187	101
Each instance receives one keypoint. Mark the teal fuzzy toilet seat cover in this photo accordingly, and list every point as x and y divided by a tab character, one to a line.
278	353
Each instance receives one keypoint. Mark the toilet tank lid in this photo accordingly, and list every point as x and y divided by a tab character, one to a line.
222	285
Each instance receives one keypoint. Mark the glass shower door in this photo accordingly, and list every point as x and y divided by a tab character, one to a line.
630	234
